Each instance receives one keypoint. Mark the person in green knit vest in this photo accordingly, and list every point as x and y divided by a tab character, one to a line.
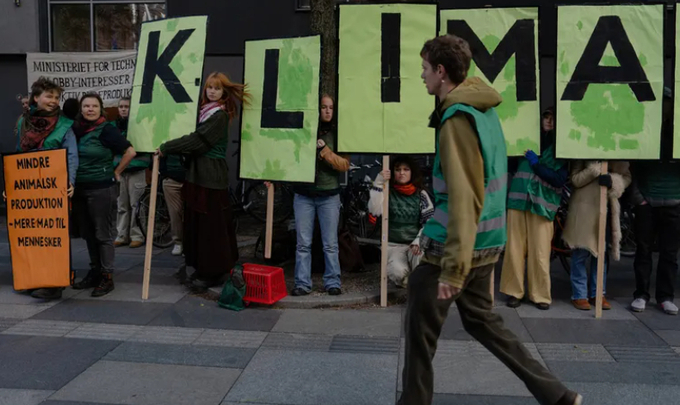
655	192
41	127
132	185
465	236
533	200
94	201
410	208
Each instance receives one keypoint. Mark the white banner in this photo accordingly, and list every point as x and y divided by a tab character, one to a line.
108	73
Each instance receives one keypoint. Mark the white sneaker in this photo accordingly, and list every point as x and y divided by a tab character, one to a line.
669	308
638	305
177	250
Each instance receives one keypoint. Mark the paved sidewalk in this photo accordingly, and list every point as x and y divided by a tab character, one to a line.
181	349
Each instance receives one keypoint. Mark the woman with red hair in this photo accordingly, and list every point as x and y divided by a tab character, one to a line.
209	235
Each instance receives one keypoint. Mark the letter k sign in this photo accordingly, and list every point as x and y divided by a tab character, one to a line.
155	65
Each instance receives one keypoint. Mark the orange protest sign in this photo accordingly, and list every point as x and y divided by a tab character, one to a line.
36	185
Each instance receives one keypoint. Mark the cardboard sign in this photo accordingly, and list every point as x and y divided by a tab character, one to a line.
504	45
383	105
167	85
609	81
36	185
279	127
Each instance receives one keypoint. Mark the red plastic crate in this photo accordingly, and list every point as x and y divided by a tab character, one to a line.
264	284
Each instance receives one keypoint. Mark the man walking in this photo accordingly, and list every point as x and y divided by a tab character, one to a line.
464	239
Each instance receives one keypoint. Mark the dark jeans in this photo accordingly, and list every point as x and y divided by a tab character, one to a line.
425	316
95	212
661	224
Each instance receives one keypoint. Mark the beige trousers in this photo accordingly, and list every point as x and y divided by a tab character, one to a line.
400	263
529	241
172	190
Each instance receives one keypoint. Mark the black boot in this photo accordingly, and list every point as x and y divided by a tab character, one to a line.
90	280
47	293
105	286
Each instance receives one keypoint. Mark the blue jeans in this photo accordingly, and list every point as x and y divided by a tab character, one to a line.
584	286
328	210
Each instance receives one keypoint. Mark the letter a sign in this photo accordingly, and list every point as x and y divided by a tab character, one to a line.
167	85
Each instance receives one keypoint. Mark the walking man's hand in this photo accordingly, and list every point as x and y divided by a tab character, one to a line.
446	291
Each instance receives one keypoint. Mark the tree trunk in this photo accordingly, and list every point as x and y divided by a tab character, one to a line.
324	23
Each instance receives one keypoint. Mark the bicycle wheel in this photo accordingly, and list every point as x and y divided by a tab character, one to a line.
356	215
162	233
255	203
628	244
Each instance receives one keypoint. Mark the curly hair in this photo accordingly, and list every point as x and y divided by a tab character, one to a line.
41	86
450	51
416	173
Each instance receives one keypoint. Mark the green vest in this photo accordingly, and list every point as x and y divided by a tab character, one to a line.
326	177
141	161
55	138
659	182
95	159
528	192
219	150
491	227
404	217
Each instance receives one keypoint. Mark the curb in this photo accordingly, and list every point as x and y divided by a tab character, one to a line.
332	301
328	301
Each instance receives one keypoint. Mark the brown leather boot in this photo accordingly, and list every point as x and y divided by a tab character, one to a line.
605	304
581	304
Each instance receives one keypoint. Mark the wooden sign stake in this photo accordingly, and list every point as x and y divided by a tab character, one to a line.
149	229
601	246
269	226
385	233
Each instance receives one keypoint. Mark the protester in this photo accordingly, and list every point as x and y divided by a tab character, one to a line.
173	179
25	103
42	127
533	200
94	202
132	185
463	240
71	108
583	222
410	208
656	196
322	199
210	238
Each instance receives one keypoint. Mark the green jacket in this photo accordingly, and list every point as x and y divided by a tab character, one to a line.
528	192
328	166
656	182
470	183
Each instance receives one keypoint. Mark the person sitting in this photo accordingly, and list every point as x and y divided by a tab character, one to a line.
410	207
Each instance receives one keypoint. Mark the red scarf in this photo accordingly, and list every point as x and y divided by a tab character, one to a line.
83	127
405	189
35	127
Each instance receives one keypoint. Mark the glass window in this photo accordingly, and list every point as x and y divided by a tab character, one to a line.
117	26
71	28
304	4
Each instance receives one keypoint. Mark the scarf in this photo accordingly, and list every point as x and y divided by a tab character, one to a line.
36	126
83	127
405	189
208	110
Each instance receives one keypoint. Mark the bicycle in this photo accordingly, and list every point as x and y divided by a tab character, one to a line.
559	249
162	232
355	199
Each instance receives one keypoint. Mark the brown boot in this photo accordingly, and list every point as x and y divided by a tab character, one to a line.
581	304
135	244
605	304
